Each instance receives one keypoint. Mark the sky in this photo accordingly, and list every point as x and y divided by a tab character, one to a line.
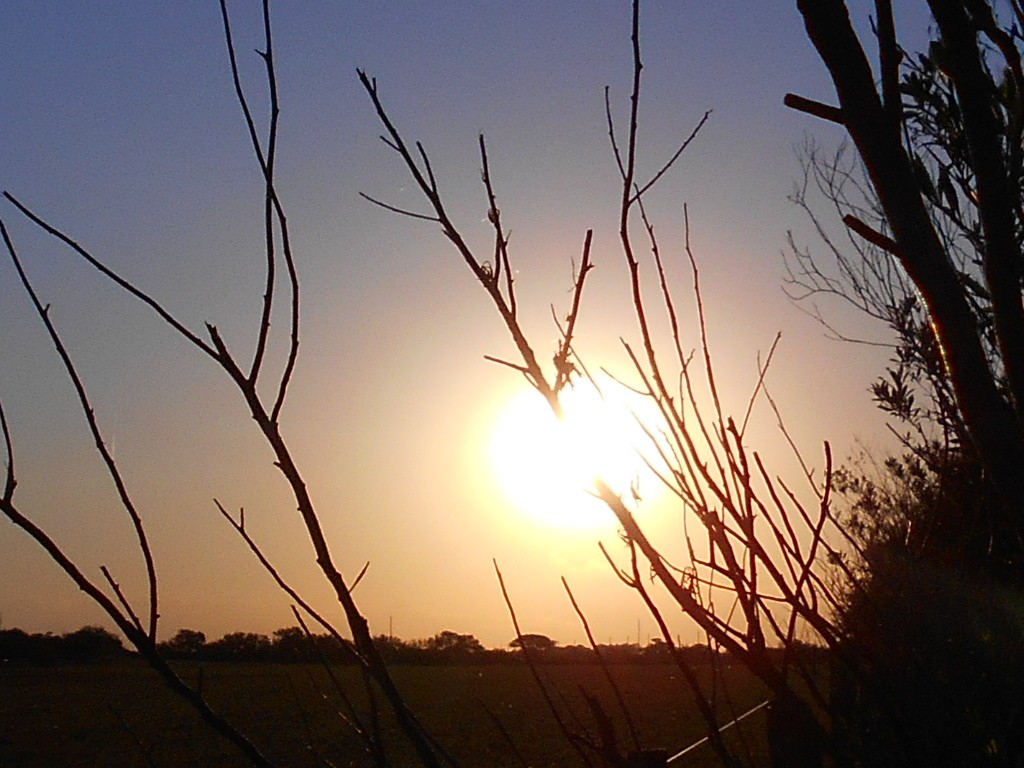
120	127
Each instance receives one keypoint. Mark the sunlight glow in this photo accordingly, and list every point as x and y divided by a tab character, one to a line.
547	466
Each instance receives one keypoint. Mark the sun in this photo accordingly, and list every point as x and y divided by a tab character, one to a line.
546	466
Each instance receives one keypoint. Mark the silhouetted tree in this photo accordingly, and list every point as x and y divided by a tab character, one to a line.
533	642
263	388
240	646
942	151
186	643
292	644
936	253
91	644
765	548
656	650
448	645
86	645
18	645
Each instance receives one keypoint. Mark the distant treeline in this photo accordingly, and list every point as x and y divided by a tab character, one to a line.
292	644
88	644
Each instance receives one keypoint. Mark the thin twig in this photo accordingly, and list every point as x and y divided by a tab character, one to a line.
505	735
371	737
762	370
107	272
401	211
10	482
563	369
667	166
279	580
121	598
569	735
633	732
140	641
87	410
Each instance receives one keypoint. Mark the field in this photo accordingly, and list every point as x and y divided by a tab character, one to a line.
120	715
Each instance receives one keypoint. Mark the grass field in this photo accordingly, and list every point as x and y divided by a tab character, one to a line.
120	715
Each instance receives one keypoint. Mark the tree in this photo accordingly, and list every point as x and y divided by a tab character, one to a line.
240	646
452	645
533	642
973	181
90	644
264	393
292	644
761	547
16	644
186	643
935	253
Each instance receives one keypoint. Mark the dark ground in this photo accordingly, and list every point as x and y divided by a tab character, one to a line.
119	714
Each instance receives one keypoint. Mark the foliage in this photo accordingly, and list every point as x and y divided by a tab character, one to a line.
932	617
533	641
85	645
185	643
935	228
452	645
935	250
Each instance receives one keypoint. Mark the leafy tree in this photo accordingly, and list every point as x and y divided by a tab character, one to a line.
941	147
453	645
241	646
18	645
85	645
936	251
394	649
186	643
533	642
90	644
14	644
291	644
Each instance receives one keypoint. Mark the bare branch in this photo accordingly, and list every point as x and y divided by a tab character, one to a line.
140	640
10	483
545	693
514	366
631	726
121	598
814	108
239	527
873	236
563	368
401	211
611	132
370	736
94	429
483	275
665	168
359	576
501	259
107	272
762	370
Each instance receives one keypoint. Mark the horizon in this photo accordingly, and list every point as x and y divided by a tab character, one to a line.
647	641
